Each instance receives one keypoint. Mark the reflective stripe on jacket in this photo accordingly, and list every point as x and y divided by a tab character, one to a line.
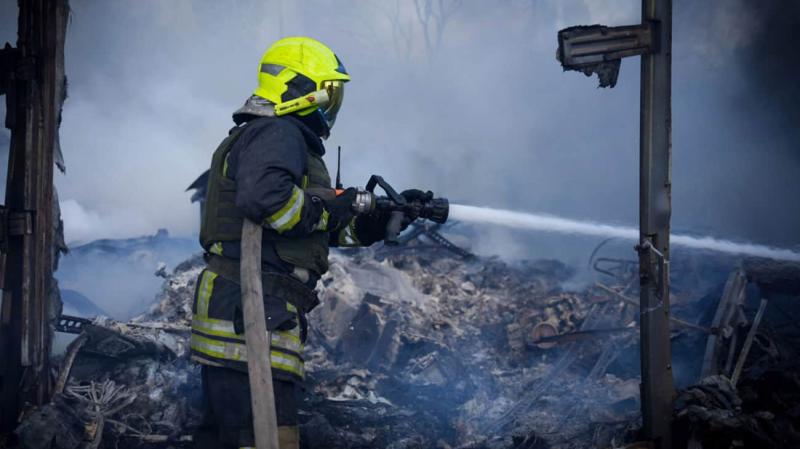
260	171
214	340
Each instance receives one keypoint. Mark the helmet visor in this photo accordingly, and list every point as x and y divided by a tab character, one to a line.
335	90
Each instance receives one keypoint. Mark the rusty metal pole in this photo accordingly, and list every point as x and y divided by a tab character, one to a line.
654	215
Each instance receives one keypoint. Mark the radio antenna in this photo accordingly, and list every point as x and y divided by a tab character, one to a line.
339	168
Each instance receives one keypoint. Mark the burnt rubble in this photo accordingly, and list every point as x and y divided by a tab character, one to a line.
416	347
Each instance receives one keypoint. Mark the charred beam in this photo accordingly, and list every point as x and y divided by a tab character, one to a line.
33	81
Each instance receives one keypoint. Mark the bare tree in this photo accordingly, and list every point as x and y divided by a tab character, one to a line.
433	16
401	33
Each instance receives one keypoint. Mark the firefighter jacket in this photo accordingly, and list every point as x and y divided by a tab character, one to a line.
260	172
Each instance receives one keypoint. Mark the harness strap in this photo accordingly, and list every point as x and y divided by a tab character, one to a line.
277	285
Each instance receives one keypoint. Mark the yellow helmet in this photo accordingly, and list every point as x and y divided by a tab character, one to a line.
296	66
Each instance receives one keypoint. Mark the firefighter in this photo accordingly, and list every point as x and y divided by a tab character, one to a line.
265	170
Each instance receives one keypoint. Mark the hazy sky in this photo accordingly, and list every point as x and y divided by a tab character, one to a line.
487	117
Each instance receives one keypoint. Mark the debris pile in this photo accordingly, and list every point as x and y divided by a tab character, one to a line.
457	344
126	385
764	414
415	347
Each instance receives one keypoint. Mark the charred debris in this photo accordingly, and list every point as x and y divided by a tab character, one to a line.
428	346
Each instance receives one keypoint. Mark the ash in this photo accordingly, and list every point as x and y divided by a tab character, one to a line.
420	347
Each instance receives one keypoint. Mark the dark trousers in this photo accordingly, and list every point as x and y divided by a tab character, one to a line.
228	416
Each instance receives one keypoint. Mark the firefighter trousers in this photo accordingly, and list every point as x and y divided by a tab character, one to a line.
228	417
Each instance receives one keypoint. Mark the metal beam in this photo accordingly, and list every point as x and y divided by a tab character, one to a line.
582	46
599	49
655	209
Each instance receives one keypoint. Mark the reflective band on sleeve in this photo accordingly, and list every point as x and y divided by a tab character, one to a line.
225	166
289	215
204	292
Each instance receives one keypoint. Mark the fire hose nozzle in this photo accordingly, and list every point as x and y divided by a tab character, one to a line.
436	210
367	202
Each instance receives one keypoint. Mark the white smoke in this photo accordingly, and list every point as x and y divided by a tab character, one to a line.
82	225
485	117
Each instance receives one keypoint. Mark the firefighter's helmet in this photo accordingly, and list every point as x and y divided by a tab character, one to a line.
294	67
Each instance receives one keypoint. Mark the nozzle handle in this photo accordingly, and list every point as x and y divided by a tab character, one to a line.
376	180
393	227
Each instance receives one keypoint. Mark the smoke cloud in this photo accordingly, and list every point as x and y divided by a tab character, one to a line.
480	111
85	225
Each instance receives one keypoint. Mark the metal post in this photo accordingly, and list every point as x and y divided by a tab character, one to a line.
654	215
599	49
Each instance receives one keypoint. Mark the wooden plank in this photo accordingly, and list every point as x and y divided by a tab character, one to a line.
731	296
748	342
35	95
257	339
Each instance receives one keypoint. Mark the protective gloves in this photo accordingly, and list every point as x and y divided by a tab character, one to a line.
415	198
370	228
339	211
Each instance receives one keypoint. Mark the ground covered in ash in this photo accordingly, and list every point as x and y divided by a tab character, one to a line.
422	348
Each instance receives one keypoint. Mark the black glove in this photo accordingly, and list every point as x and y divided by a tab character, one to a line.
415	199
372	228
340	209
